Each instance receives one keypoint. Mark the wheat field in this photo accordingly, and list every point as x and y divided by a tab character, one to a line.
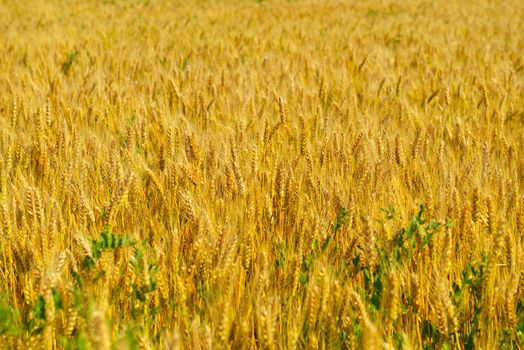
261	174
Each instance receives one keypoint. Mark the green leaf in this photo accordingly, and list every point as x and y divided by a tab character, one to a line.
303	278
398	255
132	340
126	241
82	342
57	299
421	211
77	278
340	220
109	239
39	308
377	293
326	243
139	295
446	346
66	65
7	321
77	299
367	277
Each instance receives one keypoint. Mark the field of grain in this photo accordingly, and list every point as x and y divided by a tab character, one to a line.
261	174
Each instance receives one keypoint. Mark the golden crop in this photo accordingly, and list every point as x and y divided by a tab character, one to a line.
261	174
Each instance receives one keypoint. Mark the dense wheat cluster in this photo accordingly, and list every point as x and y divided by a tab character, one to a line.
261	174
